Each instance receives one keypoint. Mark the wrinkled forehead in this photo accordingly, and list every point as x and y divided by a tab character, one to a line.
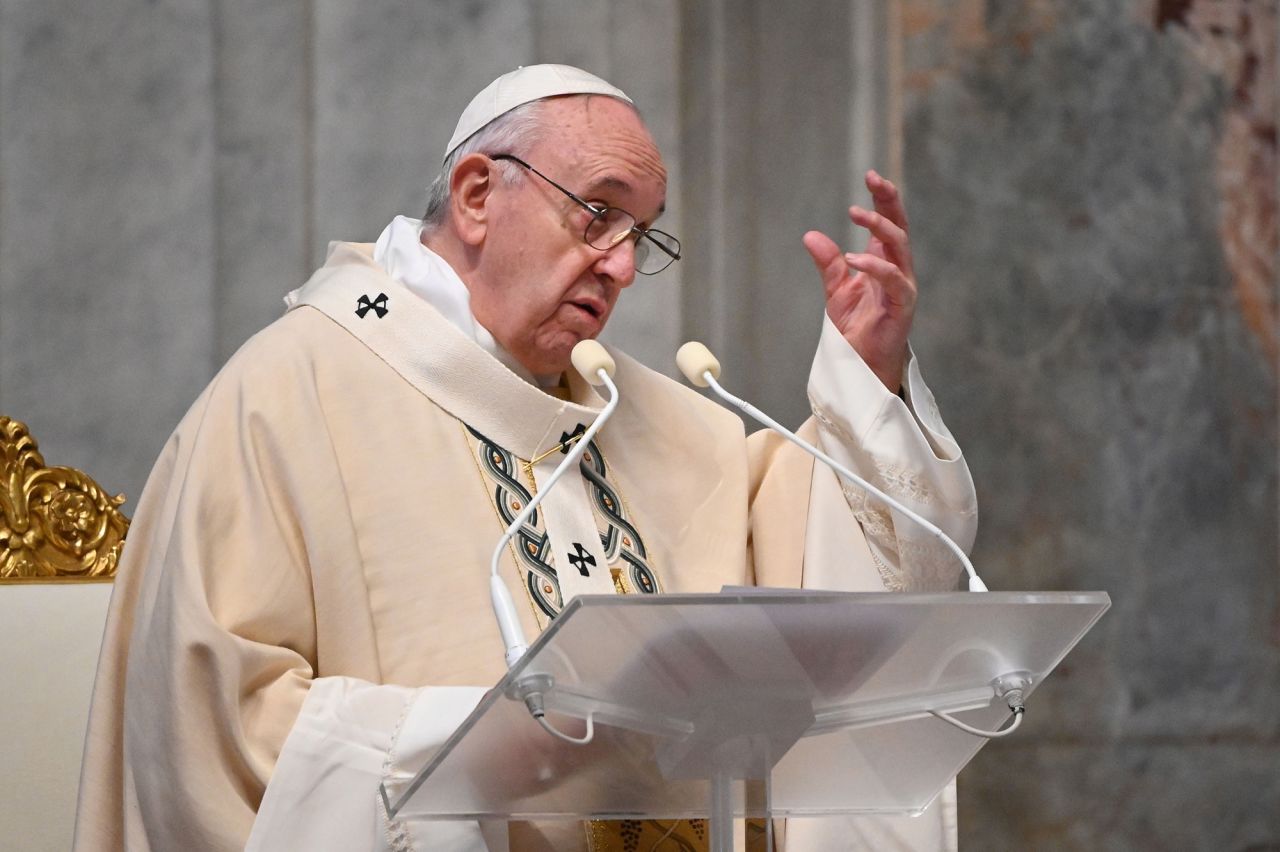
597	134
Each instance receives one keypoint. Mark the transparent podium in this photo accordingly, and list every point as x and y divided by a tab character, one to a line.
760	703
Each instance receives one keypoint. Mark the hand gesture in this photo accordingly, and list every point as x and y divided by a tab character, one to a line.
871	296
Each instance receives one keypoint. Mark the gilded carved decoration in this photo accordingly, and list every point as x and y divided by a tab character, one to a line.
56	523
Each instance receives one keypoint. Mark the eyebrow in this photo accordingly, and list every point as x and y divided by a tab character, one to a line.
610	182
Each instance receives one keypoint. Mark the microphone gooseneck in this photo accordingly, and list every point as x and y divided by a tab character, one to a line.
596	366
701	368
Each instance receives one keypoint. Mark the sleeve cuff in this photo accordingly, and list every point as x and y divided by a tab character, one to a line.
848	399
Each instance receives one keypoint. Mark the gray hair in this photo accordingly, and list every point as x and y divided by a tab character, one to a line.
513	132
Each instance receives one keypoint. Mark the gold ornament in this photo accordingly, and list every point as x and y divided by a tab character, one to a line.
56	523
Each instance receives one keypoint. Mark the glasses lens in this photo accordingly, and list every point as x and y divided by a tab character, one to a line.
650	259
611	225
608	227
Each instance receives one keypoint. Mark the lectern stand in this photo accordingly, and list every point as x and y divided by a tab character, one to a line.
760	704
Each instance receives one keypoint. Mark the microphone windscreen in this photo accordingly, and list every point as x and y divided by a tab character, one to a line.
694	359
589	358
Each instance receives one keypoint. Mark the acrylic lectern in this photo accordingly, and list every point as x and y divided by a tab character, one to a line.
760	703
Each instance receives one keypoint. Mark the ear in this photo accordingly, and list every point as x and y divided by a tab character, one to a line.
470	191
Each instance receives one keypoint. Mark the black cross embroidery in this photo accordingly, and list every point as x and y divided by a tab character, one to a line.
566	440
378	305
581	558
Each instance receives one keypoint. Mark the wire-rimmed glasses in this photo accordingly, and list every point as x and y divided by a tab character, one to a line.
611	225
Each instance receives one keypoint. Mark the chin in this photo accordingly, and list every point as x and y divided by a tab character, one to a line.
548	361
554	356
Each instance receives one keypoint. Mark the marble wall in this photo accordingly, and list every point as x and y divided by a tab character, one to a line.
1096	184
1093	193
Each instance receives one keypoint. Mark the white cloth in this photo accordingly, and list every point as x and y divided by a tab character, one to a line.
341	743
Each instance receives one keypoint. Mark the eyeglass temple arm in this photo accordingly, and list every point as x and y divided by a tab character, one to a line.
674	255
641	232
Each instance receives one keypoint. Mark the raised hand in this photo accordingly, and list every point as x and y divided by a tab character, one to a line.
871	295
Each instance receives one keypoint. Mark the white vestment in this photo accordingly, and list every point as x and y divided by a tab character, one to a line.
302	607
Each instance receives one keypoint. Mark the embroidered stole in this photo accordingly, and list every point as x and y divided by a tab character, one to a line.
512	486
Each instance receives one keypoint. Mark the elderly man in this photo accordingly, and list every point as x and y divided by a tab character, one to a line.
303	602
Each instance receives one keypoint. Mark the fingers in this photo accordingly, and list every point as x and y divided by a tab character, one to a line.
887	199
892	236
898	287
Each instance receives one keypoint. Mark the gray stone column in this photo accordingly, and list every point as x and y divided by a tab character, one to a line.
780	112
107	226
264	196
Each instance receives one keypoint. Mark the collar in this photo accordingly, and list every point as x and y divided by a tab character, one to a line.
436	357
399	250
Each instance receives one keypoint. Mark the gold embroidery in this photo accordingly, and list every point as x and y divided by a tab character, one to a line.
681	835
561	447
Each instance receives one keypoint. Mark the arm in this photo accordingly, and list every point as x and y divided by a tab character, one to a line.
874	414
349	737
205	660
900	446
241	586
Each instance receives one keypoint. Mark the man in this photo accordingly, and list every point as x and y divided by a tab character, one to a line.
302	607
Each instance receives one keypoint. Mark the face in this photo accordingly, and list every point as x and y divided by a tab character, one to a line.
539	288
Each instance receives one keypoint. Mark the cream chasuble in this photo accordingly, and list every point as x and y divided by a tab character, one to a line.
303	598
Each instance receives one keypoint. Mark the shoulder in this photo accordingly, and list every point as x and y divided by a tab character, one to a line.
645	388
291	349
666	419
280	378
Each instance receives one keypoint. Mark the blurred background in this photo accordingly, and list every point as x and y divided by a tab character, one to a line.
1092	187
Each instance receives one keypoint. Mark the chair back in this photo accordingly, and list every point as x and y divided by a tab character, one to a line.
60	541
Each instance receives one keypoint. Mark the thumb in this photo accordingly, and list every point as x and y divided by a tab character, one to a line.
828	258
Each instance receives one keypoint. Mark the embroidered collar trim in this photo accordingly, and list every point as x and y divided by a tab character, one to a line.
435	357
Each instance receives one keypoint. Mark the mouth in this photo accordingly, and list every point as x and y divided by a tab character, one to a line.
594	308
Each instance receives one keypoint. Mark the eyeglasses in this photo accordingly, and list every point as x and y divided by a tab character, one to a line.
610	226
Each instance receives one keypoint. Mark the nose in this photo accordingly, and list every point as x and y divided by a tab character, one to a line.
619	262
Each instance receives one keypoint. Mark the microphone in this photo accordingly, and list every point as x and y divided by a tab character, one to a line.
696	362
596	366
702	369
589	359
